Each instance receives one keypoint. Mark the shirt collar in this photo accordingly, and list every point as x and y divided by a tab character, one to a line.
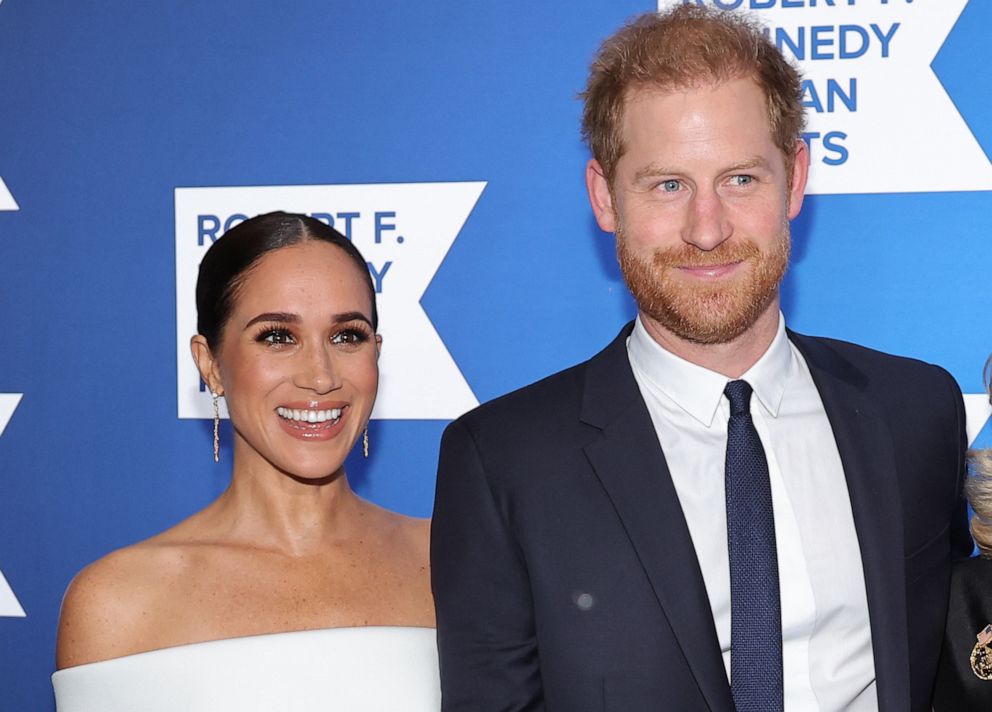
698	390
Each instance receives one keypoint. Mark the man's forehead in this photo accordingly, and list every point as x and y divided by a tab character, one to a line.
641	91
722	107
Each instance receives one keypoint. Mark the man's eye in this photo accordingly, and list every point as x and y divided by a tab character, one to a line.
742	180
670	186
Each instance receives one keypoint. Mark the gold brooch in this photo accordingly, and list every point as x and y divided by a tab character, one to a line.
981	654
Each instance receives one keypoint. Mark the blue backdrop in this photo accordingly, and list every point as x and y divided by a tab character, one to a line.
107	108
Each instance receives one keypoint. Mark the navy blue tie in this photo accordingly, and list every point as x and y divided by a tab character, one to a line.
755	610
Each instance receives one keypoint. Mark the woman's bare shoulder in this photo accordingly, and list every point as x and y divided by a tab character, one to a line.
405	560
418	531
416	534
401	528
109	607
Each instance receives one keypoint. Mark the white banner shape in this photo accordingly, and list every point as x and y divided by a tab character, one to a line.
404	230
7	201
10	607
879	120
977	413
8	404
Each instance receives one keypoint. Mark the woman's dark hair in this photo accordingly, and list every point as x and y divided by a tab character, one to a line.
231	257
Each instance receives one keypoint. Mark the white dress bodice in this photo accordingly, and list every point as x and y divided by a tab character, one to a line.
371	669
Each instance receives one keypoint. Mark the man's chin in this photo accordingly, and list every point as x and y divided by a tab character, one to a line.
711	334
709	318
706	334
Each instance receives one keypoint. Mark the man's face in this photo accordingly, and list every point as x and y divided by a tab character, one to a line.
700	205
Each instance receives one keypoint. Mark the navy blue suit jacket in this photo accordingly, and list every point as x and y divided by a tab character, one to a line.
564	574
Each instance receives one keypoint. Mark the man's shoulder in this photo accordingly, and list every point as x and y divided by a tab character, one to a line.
825	352
897	386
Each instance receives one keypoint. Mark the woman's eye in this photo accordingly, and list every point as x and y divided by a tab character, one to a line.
276	336
349	336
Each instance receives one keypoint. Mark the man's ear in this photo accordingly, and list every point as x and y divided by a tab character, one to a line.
600	197
800	174
206	364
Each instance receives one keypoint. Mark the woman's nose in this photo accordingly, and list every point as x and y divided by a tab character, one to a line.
318	372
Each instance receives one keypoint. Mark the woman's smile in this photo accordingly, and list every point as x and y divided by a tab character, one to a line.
317	422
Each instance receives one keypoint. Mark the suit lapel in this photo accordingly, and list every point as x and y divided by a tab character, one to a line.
629	463
865	446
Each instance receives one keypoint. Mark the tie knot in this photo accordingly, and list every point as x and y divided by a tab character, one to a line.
739	395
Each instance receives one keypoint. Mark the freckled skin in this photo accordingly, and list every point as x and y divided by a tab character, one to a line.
289	546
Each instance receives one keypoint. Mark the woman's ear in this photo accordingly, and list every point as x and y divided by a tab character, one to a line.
206	364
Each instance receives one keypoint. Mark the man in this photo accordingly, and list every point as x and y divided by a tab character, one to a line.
713	513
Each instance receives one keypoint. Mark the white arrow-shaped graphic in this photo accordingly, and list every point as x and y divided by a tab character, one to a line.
977	412
10	607
8	404
7	201
878	119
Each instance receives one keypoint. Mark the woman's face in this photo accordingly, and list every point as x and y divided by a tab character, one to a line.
298	360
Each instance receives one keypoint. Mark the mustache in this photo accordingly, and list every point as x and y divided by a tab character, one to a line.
686	255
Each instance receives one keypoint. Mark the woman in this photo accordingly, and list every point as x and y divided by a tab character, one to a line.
964	677
288	592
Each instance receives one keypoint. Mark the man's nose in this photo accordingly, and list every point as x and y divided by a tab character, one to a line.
707	225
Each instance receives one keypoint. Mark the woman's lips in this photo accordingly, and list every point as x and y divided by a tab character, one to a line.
322	421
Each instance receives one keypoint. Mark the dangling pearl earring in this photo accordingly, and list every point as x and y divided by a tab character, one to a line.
365	442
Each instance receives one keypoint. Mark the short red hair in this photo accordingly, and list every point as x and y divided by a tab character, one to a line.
686	48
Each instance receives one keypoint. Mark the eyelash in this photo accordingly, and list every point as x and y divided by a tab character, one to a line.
355	335
281	336
266	333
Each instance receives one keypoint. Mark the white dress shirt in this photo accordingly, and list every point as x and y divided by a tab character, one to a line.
826	636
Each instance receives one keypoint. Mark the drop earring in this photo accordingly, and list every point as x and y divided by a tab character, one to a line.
365	442
216	428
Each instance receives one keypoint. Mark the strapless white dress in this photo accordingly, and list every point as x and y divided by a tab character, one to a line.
377	669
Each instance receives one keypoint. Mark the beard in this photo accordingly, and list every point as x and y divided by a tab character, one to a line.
699	312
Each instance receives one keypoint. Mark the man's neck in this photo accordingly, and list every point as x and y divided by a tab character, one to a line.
732	358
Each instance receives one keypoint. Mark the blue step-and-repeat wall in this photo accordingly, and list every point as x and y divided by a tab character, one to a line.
443	138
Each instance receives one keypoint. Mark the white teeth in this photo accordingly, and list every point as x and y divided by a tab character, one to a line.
308	416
